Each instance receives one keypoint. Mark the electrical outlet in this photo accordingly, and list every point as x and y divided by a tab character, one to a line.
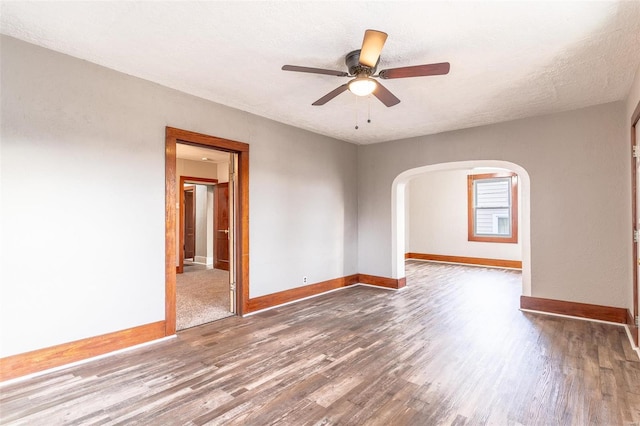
304	280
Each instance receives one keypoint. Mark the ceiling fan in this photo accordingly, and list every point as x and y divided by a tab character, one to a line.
362	65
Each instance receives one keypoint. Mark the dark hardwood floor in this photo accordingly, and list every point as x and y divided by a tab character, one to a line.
451	348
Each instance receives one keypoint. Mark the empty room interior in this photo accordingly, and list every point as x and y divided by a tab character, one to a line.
319	212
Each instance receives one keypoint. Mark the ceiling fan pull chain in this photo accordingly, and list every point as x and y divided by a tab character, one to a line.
357	112
369	109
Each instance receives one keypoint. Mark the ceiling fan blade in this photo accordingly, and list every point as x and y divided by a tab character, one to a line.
385	96
416	71
326	98
371	47
314	70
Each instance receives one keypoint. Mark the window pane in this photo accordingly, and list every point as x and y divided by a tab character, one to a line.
494	221
503	226
492	192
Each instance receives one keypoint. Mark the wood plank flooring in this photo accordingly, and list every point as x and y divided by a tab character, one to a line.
451	348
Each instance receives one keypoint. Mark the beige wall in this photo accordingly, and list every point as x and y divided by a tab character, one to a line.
223	172
578	167
89	142
192	168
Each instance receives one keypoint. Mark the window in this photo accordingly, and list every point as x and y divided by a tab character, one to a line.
493	207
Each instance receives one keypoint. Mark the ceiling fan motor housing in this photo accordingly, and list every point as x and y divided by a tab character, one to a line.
355	67
362	64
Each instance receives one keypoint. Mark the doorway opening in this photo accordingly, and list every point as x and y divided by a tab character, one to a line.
203	279
212	175
401	218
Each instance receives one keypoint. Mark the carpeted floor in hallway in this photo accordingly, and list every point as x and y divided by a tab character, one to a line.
202	296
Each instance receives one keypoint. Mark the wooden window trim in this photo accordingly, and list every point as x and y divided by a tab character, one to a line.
514	208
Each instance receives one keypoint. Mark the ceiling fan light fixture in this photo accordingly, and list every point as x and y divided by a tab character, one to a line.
363	64
362	86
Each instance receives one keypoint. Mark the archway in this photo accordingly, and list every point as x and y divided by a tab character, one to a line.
398	212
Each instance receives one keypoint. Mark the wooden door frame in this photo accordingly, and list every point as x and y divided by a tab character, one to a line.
635	120
183	180
173	136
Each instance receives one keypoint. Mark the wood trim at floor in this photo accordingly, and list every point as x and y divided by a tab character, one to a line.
500	263
291	295
575	309
395	283
66	353
43	359
294	294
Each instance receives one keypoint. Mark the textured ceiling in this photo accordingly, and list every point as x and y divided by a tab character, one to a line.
508	59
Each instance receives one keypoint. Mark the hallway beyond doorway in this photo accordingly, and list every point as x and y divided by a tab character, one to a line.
202	295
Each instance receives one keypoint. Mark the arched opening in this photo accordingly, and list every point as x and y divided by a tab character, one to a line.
398	213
